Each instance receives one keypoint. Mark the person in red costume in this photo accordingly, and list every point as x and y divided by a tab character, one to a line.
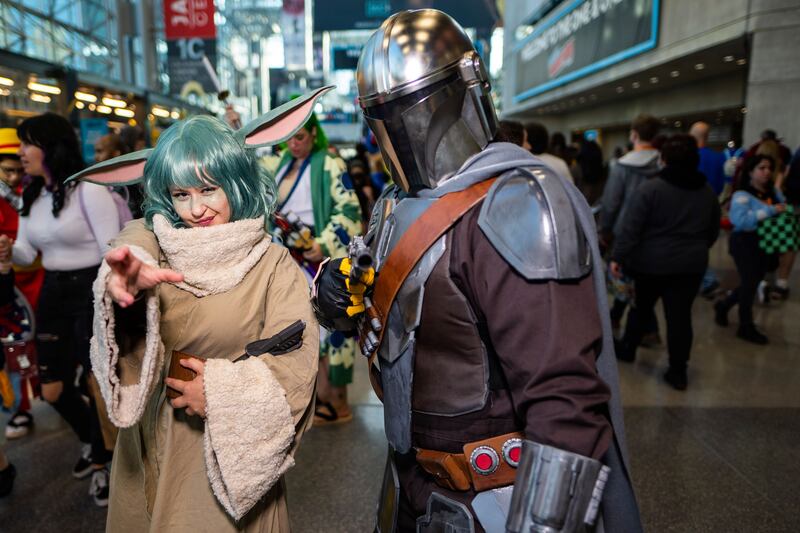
27	279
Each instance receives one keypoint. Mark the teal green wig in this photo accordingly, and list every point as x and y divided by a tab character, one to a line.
205	146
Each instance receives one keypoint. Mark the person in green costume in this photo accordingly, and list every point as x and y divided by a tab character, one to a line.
314	186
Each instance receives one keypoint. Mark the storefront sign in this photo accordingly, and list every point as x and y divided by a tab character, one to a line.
580	38
368	14
191	43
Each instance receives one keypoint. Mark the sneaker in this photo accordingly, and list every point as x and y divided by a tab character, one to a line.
7	480
720	314
676	379
83	467
98	488
751	334
19	425
763	292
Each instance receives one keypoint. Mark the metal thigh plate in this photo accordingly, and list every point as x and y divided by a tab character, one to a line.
445	516
389	503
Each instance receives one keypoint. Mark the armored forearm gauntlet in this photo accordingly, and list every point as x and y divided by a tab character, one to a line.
555	491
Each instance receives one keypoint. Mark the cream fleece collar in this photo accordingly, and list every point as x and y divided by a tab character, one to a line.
212	259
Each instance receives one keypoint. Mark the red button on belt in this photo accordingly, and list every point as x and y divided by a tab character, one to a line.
484	460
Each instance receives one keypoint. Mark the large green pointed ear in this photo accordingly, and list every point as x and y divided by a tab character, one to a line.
123	170
281	123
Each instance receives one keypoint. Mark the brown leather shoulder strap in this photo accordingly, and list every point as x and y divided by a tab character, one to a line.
417	239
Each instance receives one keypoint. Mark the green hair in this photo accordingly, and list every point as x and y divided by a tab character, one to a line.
206	144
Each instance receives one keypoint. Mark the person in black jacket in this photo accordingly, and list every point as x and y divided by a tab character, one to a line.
669	226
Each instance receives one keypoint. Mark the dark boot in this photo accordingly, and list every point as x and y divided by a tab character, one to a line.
676	378
750	333
7	480
721	314
624	351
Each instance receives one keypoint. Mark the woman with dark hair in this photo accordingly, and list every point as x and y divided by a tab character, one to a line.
669	226
757	200
314	186
70	225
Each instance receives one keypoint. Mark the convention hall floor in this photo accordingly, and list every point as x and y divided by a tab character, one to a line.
722	456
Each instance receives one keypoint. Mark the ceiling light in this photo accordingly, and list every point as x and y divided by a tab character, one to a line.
80	105
104	109
699	66
43	88
175	115
727	59
86	97
4	92
8	82
678	124
43	98
160	112
636	85
741	61
127	113
620	89
114	102
744	110
654	79
674	74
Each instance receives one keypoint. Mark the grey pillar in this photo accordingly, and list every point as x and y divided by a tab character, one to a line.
773	87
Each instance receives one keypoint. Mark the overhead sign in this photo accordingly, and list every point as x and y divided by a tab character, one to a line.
189	18
191	44
581	38
368	14
293	30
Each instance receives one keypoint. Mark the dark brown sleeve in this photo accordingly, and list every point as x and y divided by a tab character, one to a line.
546	335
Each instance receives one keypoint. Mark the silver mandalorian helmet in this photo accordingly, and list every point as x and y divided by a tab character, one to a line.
425	95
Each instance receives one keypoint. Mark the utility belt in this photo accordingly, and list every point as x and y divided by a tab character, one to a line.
485	464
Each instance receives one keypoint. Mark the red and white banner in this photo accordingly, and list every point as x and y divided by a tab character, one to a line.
189	18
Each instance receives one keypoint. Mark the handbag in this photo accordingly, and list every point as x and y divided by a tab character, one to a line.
21	359
780	233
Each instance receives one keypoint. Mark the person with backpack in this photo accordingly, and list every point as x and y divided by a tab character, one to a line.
70	225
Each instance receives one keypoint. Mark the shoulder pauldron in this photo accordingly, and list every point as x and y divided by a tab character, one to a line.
529	219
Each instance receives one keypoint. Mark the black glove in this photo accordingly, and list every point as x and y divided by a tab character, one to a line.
337	300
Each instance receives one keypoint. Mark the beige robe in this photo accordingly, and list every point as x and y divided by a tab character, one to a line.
178	473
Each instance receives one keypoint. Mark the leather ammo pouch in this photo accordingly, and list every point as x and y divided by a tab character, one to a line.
485	464
449	469
177	371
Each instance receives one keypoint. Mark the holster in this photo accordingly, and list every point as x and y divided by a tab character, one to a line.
463	471
176	371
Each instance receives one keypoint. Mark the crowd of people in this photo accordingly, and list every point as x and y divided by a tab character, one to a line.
661	206
68	266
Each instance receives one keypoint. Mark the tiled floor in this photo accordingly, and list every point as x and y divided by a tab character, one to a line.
722	456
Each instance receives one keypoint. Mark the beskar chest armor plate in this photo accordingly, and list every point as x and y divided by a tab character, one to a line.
447	351
391	217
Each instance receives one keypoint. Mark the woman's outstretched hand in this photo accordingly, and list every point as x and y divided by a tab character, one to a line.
129	275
